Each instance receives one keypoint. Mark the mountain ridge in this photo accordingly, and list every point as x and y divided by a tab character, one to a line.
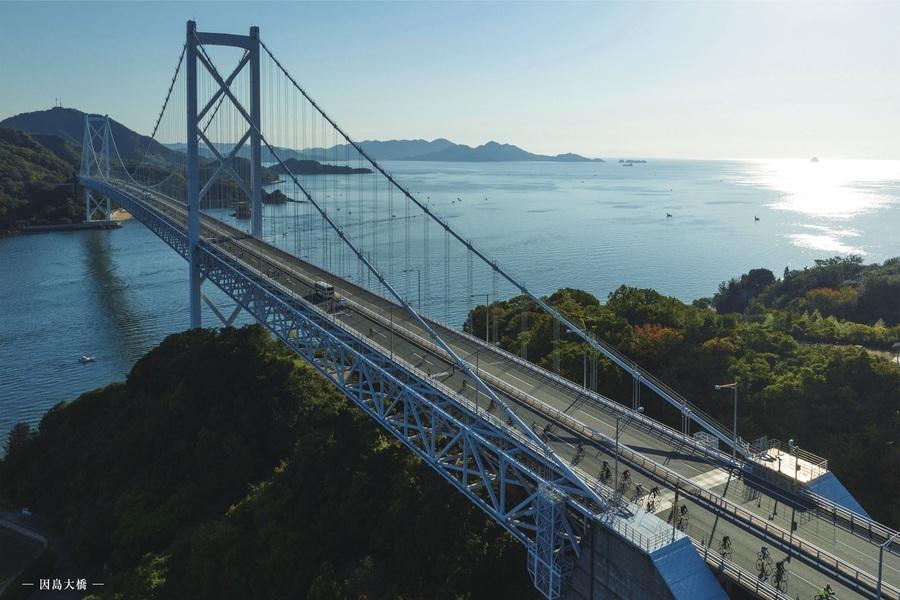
69	123
496	152
438	150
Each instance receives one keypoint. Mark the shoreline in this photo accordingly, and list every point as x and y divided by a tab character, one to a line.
115	220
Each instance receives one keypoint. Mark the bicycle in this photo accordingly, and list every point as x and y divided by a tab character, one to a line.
626	482
781	576
726	550
638	492
579	454
763	563
683	518
826	594
605	473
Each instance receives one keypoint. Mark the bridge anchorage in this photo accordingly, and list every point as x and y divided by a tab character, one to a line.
273	204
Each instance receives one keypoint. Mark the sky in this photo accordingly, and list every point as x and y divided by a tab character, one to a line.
638	79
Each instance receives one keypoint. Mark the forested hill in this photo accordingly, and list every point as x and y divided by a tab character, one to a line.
224	468
37	180
840	288
314	167
802	373
494	152
69	123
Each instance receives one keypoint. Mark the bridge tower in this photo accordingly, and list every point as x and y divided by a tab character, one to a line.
195	54
95	161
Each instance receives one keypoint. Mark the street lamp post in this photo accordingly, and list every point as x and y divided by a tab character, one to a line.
584	370
584	357
639	409
477	374
419	279
881	562
487	315
732	386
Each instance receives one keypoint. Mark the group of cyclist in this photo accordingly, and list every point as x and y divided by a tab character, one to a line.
764	569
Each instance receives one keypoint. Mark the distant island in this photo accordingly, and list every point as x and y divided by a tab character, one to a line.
314	167
439	150
40	155
494	152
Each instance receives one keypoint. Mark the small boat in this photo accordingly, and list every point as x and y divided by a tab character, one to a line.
668	215
756	218
627	164
87	359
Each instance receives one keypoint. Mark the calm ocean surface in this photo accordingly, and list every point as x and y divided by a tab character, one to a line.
593	226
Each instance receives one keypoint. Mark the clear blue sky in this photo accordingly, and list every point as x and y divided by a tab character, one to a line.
695	79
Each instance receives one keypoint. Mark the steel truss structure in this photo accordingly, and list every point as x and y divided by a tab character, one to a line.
492	465
95	155
194	55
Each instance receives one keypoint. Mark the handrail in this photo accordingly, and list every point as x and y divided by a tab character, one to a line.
712	501
860	525
520	439
773	532
759	587
806	455
649	423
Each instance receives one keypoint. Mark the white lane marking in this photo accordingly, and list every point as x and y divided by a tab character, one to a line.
708	479
687	464
306	273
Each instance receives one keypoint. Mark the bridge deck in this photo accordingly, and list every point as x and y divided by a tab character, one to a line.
389	326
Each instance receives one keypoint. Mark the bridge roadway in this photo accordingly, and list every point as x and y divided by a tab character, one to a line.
536	394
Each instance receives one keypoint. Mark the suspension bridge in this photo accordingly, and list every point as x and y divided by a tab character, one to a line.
269	200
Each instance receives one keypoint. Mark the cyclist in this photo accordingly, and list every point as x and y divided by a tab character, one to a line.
780	575
826	592
683	510
725	547
605	471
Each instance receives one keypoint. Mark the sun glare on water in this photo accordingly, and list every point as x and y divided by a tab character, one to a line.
826	195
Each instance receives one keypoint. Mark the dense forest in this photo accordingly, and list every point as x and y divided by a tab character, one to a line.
789	343
223	467
39	161
838	300
37	179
